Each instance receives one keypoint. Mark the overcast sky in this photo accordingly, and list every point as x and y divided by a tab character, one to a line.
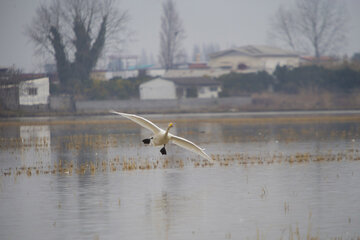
225	22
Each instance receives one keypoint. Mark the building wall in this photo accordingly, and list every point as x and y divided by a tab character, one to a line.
155	72
210	72
209	92
122	74
254	63
231	61
134	73
157	89
34	92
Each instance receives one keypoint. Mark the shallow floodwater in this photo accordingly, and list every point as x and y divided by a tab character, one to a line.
92	178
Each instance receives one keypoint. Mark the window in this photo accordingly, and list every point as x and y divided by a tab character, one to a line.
32	91
191	92
242	66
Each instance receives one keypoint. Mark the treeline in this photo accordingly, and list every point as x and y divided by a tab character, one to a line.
292	81
116	88
283	80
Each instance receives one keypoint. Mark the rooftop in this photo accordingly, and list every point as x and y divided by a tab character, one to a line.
193	81
255	51
8	77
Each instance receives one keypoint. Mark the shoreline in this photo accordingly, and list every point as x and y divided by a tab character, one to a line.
241	117
255	103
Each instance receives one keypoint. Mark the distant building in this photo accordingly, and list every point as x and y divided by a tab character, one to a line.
253	58
323	60
155	72
190	73
34	93
175	88
198	65
104	75
25	92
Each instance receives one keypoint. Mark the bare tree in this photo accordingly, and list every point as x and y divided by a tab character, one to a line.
317	26
172	34
284	28
76	32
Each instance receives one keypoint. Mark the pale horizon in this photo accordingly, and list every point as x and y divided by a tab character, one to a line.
226	23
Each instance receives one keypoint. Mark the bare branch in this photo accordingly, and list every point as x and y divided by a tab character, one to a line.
76	32
318	26
61	14
171	35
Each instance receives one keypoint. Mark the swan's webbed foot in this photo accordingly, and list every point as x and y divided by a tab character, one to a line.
163	151
146	141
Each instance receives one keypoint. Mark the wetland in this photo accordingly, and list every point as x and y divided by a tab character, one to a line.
285	175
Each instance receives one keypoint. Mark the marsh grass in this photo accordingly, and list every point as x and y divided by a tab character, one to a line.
132	163
76	143
226	120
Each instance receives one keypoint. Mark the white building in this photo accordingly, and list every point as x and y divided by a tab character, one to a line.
34	92
185	73
253	58
158	89
175	88
26	91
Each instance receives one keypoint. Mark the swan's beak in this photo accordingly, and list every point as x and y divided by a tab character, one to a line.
171	125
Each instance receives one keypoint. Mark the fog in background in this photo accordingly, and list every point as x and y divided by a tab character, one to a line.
227	23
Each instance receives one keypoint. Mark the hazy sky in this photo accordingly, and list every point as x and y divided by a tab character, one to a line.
226	22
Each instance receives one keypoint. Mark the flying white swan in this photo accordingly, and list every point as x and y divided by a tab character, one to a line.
162	137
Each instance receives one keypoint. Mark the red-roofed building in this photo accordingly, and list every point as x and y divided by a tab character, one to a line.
198	65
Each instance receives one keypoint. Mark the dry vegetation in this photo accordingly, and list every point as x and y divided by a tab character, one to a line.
125	163
305	100
78	143
228	120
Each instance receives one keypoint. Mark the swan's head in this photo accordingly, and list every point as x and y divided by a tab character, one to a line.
170	125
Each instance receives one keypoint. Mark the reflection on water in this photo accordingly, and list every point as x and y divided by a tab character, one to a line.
97	181
38	142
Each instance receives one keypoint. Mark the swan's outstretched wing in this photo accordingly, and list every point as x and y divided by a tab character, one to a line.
141	121
182	142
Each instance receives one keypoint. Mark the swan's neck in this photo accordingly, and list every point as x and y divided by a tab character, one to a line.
167	131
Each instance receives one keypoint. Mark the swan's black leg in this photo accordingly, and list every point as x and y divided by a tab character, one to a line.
163	151
146	140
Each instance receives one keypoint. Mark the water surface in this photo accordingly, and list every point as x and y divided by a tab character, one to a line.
272	178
